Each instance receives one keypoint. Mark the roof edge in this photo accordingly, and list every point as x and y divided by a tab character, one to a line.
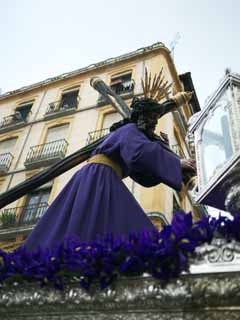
91	67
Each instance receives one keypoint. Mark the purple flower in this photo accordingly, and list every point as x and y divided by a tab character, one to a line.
181	224
132	266
163	254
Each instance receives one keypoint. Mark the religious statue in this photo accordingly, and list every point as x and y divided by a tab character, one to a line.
95	201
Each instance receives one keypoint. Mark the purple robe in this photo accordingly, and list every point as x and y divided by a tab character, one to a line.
96	202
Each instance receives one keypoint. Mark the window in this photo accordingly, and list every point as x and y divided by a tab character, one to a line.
36	205
23	110
122	84
69	99
51	150
56	133
111	118
7	145
54	142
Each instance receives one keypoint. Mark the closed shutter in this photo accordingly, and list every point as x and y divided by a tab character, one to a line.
111	118
54	140
7	145
57	133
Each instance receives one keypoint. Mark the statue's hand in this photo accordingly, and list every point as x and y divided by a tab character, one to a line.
188	169
188	164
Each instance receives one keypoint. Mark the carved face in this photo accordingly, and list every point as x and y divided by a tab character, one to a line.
151	119
147	122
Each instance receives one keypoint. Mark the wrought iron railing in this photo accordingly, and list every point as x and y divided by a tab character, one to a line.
60	106
46	151
21	216
122	88
11	120
5	161
95	135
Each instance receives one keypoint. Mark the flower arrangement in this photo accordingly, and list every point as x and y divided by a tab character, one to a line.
163	255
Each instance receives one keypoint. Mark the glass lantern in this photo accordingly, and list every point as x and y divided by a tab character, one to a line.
216	134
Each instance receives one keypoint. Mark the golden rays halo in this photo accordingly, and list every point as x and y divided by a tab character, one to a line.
155	87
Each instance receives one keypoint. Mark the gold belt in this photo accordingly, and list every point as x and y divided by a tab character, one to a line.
101	158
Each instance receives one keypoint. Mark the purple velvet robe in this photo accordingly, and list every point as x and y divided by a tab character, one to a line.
95	201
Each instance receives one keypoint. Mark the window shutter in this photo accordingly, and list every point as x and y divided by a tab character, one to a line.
7	145
56	133
111	118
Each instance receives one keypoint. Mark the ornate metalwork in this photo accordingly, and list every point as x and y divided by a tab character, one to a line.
232	201
5	162
46	153
95	135
218	179
232	190
29	215
198	296
156	89
139	298
122	88
11	121
218	251
58	107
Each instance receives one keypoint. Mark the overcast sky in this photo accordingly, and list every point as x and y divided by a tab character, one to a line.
41	39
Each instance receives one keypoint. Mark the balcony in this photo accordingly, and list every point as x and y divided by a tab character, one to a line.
20	220
5	162
13	121
22	216
46	154
124	89
95	135
59	108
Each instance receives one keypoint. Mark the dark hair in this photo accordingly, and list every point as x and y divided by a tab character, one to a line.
143	105
119	124
139	106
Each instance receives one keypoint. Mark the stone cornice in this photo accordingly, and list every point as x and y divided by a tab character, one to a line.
92	67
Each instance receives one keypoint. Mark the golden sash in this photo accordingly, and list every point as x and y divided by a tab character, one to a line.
101	158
